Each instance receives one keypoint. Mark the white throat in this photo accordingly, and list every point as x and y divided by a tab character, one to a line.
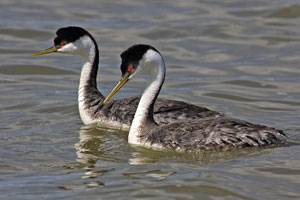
153	64
86	49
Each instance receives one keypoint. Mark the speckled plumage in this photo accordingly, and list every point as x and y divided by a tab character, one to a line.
217	133
202	132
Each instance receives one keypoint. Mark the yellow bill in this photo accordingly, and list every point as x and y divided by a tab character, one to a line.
50	50
117	87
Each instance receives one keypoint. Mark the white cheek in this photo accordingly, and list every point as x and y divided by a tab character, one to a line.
138	71
68	48
147	64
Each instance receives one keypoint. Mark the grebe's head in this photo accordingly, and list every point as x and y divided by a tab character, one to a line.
71	40
136	60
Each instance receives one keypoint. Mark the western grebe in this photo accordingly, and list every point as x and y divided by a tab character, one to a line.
117	113
202	133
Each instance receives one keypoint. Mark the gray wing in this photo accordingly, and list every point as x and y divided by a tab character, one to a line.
215	133
121	111
165	111
170	111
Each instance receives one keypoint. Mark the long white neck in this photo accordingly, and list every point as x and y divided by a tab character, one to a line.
152	63
88	83
90	56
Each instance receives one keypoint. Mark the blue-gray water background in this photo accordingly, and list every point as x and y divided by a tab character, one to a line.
238	57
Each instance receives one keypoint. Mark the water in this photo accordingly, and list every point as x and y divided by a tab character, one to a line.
238	57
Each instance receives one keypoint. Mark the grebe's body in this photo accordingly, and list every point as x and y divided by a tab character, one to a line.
217	132
116	113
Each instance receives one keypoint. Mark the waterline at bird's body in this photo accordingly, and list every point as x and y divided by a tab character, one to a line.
217	132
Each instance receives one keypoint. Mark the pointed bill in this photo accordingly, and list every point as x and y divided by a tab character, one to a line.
50	50
117	87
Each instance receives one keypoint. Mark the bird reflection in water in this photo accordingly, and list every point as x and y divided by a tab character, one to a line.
111	148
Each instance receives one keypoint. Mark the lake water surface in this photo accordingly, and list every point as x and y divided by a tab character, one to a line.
238	57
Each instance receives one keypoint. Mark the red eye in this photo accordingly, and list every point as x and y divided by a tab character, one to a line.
130	68
62	44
